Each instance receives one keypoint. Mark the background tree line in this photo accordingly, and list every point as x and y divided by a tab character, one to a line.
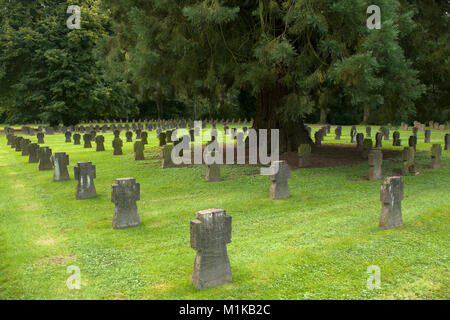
281	62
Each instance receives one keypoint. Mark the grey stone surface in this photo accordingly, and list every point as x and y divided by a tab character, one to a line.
68	136
45	162
391	196
408	156
375	163
436	153
76	139
210	234
447	141
24	146
19	144
304	155
213	173
144	137
338	133
166	157
359	140
396	139
129	136
378	140
162	139
40	137
427	138
368	132
33	153
412	142
85	173
100	143
353	133
125	192
138	149
279	177
117	146
87	140
60	162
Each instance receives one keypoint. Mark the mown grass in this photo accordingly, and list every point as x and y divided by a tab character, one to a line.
315	245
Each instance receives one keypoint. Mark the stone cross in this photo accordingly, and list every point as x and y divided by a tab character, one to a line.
338	133
144	137
60	162
76	139
68	136
279	177
166	157
375	162
129	136
304	155
87	140
45	154
85	173
318	138
19	144
412	142
125	192
13	141
353	133
386	134
213	173
162	139
100	143
359	140
40	137
138	133
391	196
210	234
169	136
117	146
138	149
24	146
397	141
427	136
408	161
378	140
8	138
436	152
33	153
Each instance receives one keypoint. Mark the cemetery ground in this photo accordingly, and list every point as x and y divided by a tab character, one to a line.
317	244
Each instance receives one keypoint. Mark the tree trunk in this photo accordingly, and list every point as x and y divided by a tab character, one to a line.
292	133
323	114
366	115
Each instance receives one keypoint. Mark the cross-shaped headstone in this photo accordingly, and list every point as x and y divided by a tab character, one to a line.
436	153
391	196
138	149
45	154
100	143
375	162
408	161
85	173
117	146
125	193
60	162
210	234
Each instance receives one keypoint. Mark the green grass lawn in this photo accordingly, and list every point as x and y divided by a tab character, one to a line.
317	244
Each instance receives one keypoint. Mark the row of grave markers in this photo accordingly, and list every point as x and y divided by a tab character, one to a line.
211	230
